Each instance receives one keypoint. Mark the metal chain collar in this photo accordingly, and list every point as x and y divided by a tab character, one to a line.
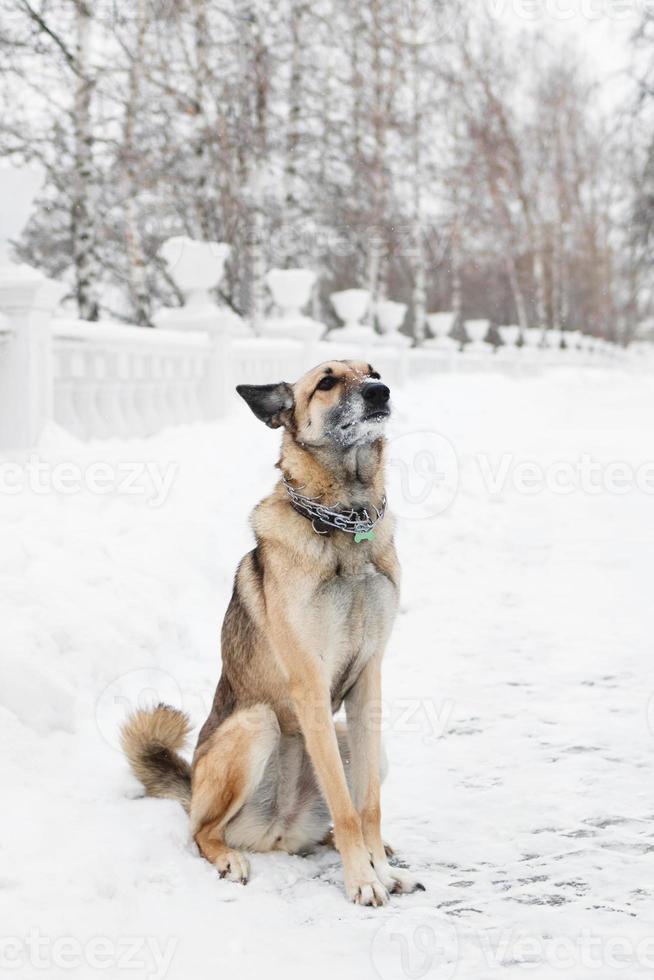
356	522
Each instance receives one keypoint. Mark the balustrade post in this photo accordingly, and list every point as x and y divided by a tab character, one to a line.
218	388
291	291
27	300
197	267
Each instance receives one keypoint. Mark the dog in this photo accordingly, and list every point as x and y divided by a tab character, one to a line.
311	611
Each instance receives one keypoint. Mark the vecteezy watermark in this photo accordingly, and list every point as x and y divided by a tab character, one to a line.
147	687
345	241
586	949
409	716
423	474
416	943
420	943
417	23
565	10
142	478
582	475
145	954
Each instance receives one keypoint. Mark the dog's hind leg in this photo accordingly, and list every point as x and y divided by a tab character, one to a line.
226	771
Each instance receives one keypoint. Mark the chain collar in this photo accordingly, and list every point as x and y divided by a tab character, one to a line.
356	522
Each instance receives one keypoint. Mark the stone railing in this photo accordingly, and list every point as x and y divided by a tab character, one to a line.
112	380
104	379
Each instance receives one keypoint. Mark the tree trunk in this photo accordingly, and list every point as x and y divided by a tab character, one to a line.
376	244
257	252
455	250
255	68
291	231
203	204
419	271
83	230
539	279
139	294
516	289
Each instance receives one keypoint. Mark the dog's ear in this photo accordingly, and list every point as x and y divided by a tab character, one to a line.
270	403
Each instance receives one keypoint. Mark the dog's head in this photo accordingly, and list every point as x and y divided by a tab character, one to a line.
338	403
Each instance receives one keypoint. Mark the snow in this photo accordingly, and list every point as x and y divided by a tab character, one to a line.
107	330
517	692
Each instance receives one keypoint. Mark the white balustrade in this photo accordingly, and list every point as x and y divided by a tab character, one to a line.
197	268
101	380
476	331
533	337
553	352
291	291
573	340
509	355
442	351
440	326
553	338
390	317
27	299
351	306
477	352
115	380
425	362
510	335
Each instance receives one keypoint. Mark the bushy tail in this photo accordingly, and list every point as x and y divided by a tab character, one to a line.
150	740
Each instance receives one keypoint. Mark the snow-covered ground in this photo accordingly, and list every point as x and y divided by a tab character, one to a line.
517	688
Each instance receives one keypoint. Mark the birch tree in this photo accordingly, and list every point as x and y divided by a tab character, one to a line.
74	75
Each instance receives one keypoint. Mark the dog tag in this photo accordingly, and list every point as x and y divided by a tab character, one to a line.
363	536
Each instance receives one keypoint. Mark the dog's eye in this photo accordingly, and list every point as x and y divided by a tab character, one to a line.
326	383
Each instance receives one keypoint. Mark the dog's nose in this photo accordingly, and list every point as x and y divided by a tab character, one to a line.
376	394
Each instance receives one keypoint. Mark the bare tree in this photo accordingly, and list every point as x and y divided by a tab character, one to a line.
243	121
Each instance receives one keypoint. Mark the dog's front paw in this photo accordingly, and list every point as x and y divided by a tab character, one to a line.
397	880
232	865
370	892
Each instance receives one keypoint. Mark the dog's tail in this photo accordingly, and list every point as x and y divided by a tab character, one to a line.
150	740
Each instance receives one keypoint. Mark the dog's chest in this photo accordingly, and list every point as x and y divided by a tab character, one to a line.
354	613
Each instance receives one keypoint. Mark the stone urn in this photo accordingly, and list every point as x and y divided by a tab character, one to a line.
390	317
291	288
291	291
351	306
533	337
553	338
476	331
510	335
440	326
572	339
18	188
197	268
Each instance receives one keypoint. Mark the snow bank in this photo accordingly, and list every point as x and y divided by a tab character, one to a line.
517	686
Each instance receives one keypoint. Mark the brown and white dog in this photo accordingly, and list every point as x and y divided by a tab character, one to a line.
311	611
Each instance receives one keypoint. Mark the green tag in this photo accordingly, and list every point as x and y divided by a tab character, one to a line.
363	536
